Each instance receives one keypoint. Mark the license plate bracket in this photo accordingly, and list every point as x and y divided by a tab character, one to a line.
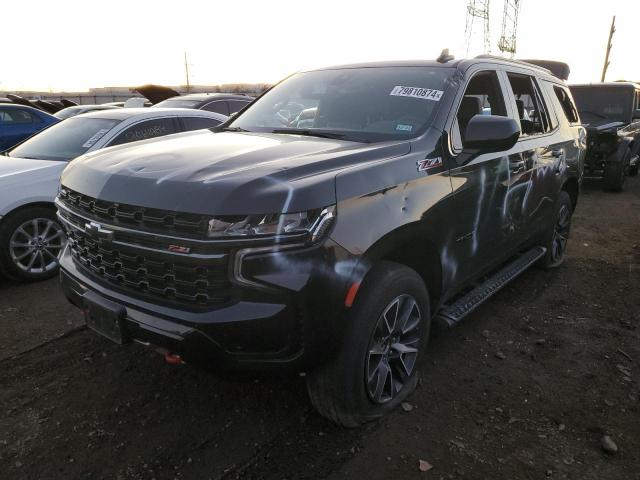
105	317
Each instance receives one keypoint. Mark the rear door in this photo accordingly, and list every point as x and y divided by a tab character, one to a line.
543	147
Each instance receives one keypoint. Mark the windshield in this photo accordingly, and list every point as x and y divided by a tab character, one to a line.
65	140
599	103
360	104
177	103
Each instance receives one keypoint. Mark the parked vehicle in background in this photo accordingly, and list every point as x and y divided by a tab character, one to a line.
224	103
325	226
30	235
18	122
78	109
611	114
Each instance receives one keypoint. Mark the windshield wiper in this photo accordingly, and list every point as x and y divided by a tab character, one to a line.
310	133
234	129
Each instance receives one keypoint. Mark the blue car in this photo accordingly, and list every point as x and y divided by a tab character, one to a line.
18	122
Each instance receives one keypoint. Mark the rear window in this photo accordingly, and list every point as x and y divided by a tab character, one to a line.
17	116
65	140
177	104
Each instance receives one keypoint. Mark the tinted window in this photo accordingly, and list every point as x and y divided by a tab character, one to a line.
598	103
533	116
236	105
178	104
217	107
148	129
361	104
15	116
65	140
197	123
564	98
483	96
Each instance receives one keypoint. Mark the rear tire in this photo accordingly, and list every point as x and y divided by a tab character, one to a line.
615	174
30	241
376	367
558	235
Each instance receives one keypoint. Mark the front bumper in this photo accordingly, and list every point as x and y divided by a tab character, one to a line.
290	318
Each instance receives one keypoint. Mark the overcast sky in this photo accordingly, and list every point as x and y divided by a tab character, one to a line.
74	45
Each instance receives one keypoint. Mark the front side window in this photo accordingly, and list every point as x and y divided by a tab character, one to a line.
483	96
157	127
534	119
360	104
65	140
197	123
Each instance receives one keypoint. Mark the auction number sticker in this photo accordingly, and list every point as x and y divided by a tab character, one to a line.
417	92
96	136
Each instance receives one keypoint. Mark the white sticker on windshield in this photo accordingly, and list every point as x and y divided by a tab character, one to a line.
417	92
96	136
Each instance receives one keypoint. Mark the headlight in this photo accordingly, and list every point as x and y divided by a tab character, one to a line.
315	222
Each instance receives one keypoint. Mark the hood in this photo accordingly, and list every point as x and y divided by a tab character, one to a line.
12	167
603	125
156	93
225	173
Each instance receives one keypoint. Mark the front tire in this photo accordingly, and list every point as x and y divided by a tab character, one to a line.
31	240
558	236
615	174
386	335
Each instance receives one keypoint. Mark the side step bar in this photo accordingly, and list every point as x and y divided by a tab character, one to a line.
450	314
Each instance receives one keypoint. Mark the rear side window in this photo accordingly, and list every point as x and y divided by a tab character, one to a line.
483	96
236	105
16	116
218	107
198	123
148	129
564	98
534	117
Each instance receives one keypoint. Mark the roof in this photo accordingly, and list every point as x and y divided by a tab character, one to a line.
460	63
606	84
22	107
126	113
207	96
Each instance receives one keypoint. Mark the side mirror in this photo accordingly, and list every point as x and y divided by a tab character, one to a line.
491	133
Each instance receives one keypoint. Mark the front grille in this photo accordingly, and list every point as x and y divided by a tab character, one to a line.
142	265
143	218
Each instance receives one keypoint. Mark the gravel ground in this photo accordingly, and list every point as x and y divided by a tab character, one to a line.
525	388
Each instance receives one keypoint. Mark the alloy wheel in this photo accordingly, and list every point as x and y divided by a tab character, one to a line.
561	233
393	349
35	245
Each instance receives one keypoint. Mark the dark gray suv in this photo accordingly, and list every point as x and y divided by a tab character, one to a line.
326	226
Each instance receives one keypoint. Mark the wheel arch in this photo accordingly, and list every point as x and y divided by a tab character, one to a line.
572	187
21	207
411	245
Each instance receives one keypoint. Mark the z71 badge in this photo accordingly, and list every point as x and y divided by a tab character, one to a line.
429	163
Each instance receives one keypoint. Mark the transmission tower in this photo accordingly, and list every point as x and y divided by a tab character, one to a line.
478	9
507	42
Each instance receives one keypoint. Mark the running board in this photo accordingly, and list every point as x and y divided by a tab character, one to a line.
450	314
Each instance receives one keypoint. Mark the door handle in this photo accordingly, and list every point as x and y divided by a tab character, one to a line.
559	153
516	163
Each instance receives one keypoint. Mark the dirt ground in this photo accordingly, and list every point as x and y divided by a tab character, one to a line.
525	388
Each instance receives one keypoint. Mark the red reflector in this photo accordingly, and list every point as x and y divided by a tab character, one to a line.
351	294
173	359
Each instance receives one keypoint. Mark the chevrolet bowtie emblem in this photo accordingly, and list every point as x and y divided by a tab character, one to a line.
95	230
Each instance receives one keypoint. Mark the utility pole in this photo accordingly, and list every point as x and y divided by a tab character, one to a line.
186	70
478	9
507	42
606	58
